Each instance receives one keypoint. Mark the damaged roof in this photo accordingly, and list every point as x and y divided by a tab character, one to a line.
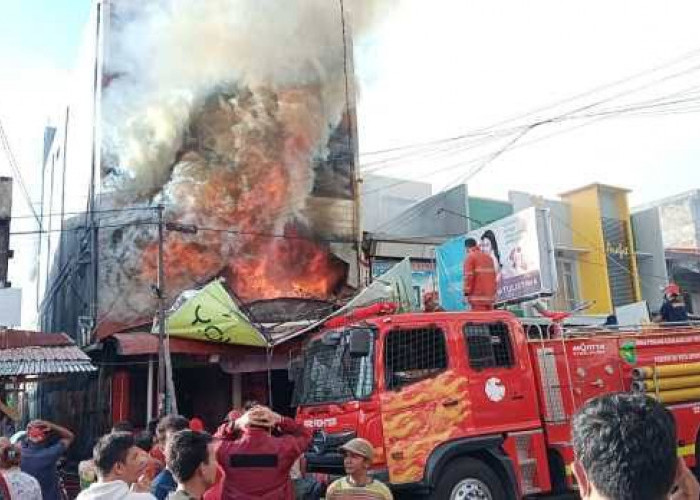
35	353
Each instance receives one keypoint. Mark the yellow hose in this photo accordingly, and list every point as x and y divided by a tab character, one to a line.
676	396
667	383
647	372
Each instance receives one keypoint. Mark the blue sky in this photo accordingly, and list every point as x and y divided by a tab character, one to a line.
42	31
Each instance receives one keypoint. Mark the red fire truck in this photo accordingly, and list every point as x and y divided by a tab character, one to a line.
464	405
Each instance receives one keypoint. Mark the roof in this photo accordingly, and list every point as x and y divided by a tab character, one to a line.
596	185
140	343
35	353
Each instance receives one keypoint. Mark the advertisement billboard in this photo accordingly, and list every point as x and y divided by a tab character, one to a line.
522	250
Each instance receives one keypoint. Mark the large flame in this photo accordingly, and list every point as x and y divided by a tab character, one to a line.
243	187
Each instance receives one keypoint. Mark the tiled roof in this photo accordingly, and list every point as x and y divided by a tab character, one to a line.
37	353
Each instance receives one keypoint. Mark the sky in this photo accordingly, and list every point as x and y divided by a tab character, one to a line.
435	70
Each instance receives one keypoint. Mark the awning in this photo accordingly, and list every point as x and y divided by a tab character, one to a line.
232	358
25	353
143	343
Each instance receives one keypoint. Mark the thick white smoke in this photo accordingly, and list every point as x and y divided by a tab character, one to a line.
167	55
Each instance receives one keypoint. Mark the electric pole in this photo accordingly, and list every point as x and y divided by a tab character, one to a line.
160	292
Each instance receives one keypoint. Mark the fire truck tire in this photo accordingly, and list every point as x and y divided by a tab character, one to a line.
468	478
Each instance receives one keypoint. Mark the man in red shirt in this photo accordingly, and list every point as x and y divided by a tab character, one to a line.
479	278
257	462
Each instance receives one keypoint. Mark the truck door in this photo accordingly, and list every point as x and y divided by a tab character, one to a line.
424	401
500	377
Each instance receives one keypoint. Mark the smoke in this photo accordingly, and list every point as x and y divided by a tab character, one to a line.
221	110
167	56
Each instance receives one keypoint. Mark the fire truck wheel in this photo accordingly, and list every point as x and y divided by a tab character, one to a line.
469	479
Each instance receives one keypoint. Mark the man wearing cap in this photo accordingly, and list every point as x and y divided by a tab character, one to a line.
358	484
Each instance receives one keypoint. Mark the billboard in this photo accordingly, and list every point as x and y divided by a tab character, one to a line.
522	250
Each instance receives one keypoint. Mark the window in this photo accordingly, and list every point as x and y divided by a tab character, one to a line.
488	345
414	354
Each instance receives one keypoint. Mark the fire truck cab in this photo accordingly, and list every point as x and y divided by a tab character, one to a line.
462	405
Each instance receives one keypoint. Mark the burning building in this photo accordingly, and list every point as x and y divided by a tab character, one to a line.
238	118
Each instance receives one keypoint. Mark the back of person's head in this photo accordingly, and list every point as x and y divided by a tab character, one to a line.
110	450
144	440
625	447
10	454
470	243
123	426
186	452
171	424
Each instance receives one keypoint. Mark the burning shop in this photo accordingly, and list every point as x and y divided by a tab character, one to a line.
240	123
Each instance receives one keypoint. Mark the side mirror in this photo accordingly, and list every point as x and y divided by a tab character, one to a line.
360	343
294	369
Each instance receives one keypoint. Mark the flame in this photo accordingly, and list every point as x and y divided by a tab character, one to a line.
258	179
287	267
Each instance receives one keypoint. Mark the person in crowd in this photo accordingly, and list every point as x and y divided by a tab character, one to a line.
258	462
191	456
120	465
479	278
20	485
164	483
625	449
45	444
306	486
431	302
357	484
197	424
156	450
673	309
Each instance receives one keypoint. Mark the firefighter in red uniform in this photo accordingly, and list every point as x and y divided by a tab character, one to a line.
479	278
257	463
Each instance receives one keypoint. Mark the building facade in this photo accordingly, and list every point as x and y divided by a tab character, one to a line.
672	225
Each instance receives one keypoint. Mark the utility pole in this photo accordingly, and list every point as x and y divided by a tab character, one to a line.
160	286
5	213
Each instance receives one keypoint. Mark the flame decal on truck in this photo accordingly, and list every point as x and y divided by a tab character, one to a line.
417	419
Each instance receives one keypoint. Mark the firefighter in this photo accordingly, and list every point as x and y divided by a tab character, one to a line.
479	278
673	309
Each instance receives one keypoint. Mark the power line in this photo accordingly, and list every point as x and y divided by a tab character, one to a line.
83	212
670	63
18	174
567	115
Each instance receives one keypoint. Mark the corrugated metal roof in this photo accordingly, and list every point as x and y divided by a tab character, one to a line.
35	360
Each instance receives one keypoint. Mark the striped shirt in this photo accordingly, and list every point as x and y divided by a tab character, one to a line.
343	489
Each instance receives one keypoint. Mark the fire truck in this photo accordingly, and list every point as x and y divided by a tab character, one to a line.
465	405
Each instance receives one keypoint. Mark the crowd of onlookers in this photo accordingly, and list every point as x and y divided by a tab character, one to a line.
625	448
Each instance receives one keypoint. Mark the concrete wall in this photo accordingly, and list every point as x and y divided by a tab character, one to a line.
383	198
646	227
560	214
442	215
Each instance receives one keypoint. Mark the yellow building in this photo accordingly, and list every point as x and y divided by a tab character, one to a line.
600	224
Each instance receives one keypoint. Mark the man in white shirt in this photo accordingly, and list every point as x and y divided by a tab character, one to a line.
120	464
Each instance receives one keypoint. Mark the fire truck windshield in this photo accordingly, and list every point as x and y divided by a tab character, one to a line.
330	374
